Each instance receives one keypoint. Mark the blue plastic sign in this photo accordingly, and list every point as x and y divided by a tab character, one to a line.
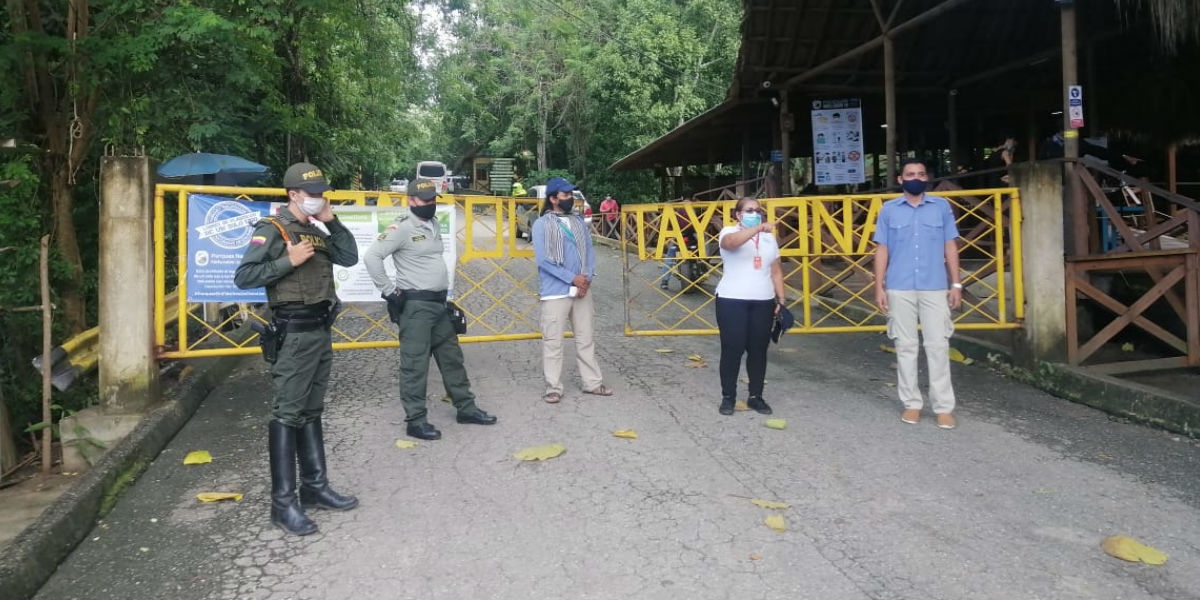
219	231
1075	106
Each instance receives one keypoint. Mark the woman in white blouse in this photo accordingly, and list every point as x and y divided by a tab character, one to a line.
748	298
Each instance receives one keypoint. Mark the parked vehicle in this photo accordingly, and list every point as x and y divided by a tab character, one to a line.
526	218
438	173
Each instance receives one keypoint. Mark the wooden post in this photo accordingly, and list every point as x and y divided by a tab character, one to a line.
743	187
952	130
1172	173
785	145
889	100
47	362
1070	76
8	447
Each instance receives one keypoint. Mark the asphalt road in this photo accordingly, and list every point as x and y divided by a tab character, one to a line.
1013	503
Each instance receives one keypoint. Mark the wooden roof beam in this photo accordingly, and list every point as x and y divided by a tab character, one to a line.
912	23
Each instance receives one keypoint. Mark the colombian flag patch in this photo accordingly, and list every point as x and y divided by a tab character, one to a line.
258	240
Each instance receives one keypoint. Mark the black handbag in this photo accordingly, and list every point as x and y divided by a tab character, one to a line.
783	322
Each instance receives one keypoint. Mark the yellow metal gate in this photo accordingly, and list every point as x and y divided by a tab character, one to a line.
827	258
495	276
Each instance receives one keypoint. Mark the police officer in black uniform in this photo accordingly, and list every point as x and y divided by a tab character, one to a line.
293	259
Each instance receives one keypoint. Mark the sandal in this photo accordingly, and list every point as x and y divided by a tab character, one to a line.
552	398
603	390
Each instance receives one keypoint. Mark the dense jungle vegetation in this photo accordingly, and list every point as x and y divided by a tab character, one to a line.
363	89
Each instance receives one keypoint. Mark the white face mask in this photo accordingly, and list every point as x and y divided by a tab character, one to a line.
310	205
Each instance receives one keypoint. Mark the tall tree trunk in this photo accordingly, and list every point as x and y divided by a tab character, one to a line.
8	447
73	310
295	83
543	129
60	111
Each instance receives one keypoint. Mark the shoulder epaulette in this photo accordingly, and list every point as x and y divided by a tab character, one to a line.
275	222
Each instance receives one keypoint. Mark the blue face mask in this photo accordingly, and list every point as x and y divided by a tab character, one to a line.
751	219
916	187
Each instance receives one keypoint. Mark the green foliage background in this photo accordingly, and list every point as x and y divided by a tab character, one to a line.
364	89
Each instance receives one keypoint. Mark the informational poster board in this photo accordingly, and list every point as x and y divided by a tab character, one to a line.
838	141
219	231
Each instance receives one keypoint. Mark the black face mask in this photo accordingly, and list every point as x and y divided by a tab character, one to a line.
565	205
424	213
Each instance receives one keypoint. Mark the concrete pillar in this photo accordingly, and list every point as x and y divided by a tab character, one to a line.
1044	334
128	370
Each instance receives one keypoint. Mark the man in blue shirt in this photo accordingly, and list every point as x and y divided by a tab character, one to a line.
917	281
566	262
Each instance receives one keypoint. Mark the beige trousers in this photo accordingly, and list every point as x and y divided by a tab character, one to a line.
932	310
555	314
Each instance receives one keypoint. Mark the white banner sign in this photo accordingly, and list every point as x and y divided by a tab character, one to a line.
228	223
838	141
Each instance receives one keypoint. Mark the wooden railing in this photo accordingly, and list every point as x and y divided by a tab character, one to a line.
1149	242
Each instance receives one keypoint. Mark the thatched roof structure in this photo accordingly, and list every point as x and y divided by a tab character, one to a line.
1176	21
992	67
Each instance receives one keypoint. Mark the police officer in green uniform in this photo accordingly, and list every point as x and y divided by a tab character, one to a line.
293	259
414	241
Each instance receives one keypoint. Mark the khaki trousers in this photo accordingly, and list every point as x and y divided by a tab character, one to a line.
555	314
931	309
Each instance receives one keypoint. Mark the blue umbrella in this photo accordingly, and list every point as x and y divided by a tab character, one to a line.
211	169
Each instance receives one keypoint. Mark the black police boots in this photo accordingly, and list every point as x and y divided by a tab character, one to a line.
314	480
285	507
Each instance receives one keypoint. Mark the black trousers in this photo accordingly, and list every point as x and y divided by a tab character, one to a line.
745	327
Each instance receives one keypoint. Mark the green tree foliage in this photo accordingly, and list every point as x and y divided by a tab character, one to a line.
274	81
578	84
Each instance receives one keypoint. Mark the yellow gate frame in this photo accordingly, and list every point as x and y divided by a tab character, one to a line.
827	254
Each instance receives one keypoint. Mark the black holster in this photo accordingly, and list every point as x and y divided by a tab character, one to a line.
458	318
333	314
395	305
269	339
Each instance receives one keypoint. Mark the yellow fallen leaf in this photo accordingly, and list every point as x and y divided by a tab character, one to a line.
788	350
887	348
197	457
447	399
1127	347
771	504
776	522
695	358
777	423
405	444
755	556
541	452
1126	548
628	434
695	365
956	355
218	496
664	350
740	405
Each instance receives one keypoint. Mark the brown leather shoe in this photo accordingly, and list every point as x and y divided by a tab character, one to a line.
946	421
910	415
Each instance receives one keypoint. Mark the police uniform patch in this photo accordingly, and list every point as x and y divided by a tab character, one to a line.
258	240
382	236
418	238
